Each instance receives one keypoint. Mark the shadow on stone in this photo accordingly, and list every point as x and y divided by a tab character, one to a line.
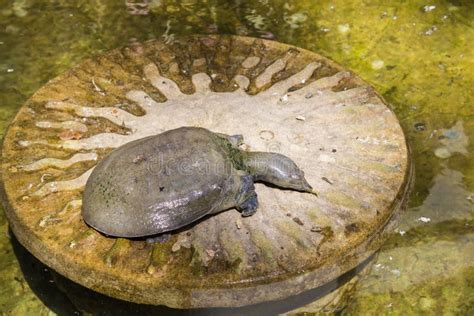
40	280
65	297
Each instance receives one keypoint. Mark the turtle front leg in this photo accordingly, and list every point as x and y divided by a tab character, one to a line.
249	199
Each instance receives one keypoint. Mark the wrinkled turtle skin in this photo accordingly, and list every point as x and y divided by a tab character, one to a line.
163	182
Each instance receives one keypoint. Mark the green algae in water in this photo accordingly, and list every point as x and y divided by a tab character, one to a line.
417	54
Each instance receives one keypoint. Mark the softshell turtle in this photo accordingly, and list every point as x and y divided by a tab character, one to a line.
163	182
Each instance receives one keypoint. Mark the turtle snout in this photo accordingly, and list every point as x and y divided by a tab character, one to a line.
299	182
306	186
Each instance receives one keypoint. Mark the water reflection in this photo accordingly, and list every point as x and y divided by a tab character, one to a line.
425	255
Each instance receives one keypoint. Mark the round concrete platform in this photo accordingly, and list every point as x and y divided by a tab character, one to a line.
281	98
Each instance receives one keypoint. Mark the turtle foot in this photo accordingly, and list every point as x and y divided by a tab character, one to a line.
235	140
249	207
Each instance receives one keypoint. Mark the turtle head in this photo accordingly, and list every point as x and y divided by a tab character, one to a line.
277	169
294	179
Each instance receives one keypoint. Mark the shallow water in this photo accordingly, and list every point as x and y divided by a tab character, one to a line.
419	56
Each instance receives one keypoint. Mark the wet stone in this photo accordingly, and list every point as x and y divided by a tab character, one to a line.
345	138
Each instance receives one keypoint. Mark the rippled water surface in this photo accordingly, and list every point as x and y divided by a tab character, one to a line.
418	54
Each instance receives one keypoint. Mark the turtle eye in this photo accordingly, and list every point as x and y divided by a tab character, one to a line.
295	176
